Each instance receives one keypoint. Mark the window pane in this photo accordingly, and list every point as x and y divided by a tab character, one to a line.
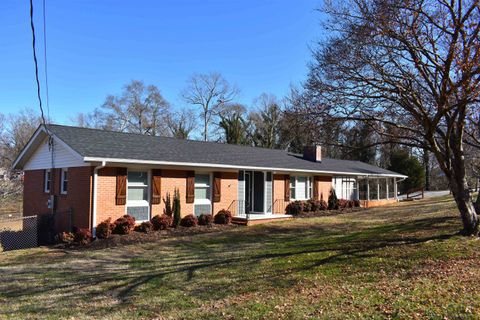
202	209
137	193
302	186
202	193
139	213
137	177
202	179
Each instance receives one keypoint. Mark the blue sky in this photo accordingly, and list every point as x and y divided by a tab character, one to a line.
96	47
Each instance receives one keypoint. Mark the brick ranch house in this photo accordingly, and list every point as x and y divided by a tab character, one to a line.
99	174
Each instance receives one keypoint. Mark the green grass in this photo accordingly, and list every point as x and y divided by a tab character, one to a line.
402	261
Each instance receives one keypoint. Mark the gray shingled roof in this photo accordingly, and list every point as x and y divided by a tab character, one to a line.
117	145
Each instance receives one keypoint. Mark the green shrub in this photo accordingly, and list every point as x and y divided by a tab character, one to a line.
223	217
168	210
161	222
295	208
322	205
176	208
332	200
189	221
205	219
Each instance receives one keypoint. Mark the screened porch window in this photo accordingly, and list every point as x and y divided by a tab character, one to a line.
202	203
137	195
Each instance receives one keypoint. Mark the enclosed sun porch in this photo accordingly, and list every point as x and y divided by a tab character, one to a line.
264	195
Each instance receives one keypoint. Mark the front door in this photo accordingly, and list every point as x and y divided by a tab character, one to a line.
258	191
248	191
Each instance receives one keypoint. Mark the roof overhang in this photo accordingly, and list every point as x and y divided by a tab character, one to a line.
233	167
37	138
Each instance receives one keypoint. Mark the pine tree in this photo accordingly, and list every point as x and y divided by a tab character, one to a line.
168	210
332	200
176	208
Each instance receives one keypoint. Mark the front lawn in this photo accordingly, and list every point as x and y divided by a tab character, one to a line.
401	261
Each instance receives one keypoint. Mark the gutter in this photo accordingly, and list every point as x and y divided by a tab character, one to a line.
95	183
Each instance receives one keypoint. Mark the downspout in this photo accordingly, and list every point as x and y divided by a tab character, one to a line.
95	182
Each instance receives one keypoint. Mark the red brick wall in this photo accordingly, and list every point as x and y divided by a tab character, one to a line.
229	191
324	185
106	192
78	196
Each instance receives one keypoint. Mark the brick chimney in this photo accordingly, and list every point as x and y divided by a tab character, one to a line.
313	153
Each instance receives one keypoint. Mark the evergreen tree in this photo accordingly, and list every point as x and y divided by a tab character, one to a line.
176	208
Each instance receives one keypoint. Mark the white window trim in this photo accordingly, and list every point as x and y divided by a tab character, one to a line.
202	185
48	174
308	189
139	203
62	180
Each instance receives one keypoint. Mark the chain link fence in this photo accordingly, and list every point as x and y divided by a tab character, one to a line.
17	232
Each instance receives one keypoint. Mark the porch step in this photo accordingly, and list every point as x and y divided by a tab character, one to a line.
259	220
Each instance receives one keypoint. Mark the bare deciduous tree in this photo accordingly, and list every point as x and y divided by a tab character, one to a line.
15	132
138	109
266	121
211	92
409	65
182	123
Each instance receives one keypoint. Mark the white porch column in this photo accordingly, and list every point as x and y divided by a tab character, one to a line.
395	188
386	185
378	189
368	188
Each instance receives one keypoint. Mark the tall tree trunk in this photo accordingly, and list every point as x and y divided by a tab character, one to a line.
426	165
468	212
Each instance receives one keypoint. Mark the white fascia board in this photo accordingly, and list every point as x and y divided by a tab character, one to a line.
37	132
229	166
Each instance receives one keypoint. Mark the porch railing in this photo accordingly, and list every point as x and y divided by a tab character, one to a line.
237	209
278	207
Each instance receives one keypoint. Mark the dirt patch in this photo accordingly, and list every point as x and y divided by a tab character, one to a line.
136	237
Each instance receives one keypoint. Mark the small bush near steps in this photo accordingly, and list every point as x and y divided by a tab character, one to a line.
223	217
189	221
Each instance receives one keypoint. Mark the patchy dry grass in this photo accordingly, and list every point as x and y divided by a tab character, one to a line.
401	261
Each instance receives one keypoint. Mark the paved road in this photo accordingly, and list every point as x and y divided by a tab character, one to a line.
428	194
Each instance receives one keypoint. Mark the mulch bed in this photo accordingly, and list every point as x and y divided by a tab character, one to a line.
136	237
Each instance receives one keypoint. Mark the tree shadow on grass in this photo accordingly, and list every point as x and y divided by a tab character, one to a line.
185	260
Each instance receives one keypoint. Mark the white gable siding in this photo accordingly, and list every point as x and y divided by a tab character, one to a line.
63	158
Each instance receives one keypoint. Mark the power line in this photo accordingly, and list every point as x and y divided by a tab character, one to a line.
45	59
36	63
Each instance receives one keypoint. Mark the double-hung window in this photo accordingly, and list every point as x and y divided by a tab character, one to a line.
137	195
47	181
203	204
64	182
300	187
